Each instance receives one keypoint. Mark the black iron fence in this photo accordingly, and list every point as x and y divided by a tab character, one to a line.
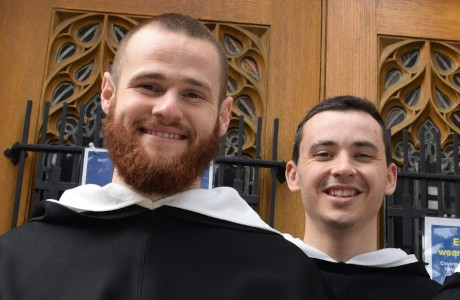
426	187
60	163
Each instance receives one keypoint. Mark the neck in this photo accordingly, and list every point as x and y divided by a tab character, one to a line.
341	242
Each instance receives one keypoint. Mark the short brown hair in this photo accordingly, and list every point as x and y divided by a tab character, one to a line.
178	23
343	103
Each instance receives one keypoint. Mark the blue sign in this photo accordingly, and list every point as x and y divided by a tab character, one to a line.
442	246
97	167
206	180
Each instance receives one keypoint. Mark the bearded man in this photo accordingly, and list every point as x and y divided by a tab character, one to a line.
152	233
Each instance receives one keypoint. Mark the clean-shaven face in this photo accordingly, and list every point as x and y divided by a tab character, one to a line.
342	172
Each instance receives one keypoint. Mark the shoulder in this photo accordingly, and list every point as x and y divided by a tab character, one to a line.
404	282
450	289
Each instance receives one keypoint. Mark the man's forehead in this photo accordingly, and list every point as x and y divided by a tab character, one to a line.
159	40
151	34
156	33
333	125
345	118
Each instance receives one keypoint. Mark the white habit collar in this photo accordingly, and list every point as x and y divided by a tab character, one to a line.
222	203
383	258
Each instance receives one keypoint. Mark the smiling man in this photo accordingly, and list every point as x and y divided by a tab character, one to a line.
152	233
342	167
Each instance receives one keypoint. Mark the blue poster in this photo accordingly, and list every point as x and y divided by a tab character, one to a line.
442	247
98	169
206	180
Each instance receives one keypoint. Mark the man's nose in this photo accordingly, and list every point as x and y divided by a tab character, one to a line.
343	166
168	107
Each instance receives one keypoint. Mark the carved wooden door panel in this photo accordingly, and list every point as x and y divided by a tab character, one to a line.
419	75
58	50
419	92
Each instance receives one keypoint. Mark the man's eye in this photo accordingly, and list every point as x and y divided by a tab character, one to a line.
364	155
149	87
193	95
323	154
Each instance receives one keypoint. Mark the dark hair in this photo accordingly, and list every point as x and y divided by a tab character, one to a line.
178	23
343	103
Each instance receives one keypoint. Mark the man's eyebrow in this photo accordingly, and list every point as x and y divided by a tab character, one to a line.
321	143
198	83
160	76
147	75
328	143
367	144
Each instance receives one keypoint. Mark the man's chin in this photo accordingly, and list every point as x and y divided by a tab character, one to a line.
163	151
341	221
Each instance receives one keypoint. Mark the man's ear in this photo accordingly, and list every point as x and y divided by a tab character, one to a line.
108	92
392	178
291	176
224	115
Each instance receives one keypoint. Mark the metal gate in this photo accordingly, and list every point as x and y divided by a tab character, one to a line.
428	185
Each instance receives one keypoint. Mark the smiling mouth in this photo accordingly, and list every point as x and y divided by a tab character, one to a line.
342	192
163	134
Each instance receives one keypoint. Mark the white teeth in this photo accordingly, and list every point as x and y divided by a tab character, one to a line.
164	135
342	193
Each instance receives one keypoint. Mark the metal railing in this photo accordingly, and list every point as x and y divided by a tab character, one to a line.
428	191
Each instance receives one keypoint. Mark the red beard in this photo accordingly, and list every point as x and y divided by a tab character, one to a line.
150	175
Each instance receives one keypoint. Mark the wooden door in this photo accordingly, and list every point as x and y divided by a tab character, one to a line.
281	39
402	55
